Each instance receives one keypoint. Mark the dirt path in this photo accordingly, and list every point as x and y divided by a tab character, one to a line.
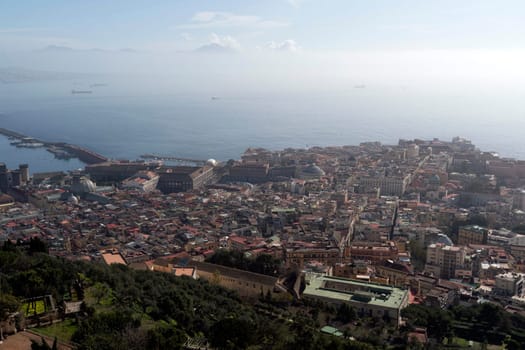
22	341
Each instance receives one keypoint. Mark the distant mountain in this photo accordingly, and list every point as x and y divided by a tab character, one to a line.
67	49
21	75
57	48
95	49
128	50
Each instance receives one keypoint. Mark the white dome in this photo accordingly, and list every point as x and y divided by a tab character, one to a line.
72	199
82	185
212	162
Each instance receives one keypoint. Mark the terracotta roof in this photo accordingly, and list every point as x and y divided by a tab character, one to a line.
113	258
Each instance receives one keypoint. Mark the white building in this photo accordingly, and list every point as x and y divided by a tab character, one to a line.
412	151
509	284
444	260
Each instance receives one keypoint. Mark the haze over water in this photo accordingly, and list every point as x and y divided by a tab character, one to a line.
285	73
123	120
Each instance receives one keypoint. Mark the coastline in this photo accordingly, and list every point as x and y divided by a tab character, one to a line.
83	154
39	159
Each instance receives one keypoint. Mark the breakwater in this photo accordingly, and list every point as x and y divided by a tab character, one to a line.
83	154
11	134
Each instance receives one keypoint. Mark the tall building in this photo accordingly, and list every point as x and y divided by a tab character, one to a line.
12	178
444	260
3	178
509	284
518	200
24	173
412	151
472	234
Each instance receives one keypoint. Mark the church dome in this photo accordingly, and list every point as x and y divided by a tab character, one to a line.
5	199
313	170
69	197
444	239
82	185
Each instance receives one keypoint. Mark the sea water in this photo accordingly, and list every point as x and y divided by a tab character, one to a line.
123	123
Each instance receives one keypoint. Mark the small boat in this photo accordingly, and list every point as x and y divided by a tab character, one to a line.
81	91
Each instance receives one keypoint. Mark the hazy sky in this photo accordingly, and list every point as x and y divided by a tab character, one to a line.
273	24
478	41
445	64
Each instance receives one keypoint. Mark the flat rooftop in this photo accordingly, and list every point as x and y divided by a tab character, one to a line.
113	257
352	291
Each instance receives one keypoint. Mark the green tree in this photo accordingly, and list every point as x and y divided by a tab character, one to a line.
8	304
36	245
345	313
437	321
418	254
165	336
9	246
100	290
304	331
512	344
265	264
232	333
